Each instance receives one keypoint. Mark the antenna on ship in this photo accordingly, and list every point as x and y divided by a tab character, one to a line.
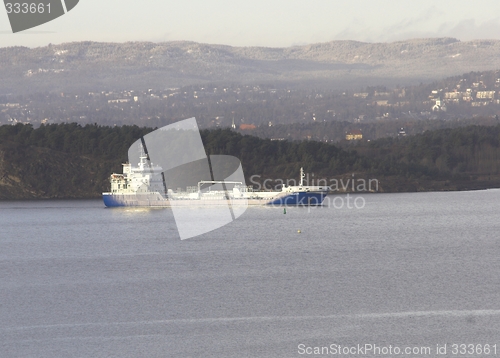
302	176
144	155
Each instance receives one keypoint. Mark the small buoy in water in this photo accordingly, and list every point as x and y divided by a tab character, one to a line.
298	231
284	211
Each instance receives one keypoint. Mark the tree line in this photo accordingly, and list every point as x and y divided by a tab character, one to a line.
74	161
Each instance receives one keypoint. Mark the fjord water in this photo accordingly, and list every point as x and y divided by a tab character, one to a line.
419	269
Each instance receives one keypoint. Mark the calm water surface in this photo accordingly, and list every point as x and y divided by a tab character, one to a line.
407	270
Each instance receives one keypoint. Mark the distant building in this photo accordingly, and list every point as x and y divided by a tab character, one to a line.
245	126
354	135
401	132
121	100
467	97
453	95
439	106
485	94
382	103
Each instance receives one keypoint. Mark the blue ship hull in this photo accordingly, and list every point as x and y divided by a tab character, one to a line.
300	198
291	199
116	200
113	201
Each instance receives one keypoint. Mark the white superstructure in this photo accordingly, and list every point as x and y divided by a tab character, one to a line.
144	178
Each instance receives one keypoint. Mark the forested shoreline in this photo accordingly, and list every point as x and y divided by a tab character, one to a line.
74	161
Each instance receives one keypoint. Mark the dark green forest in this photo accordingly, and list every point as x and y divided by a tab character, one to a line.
74	161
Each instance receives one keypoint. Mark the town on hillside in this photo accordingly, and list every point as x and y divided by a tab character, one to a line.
249	107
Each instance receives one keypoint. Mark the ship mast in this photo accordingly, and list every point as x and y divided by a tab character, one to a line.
302	176
143	157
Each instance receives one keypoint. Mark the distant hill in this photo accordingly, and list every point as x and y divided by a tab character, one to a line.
71	161
100	66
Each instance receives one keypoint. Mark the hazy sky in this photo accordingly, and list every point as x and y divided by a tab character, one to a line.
274	23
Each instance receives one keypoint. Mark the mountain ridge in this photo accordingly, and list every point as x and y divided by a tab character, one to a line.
110	65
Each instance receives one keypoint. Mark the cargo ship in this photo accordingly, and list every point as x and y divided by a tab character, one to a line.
145	186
